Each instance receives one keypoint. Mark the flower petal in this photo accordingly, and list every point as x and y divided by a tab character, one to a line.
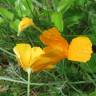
43	63
80	49
53	39
47	60
24	23
23	53
52	36
36	53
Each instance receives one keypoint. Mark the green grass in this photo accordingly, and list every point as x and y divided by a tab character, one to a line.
68	78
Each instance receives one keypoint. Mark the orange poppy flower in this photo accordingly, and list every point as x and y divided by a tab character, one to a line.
24	23
56	45
33	58
80	49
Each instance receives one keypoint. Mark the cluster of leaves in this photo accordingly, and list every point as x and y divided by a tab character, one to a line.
72	18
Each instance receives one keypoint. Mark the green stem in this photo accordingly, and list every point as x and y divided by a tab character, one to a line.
28	86
37	28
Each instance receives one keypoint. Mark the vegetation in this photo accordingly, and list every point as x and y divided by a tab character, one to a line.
72	18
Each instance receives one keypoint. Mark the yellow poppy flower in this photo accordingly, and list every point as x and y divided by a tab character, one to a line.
34	58
24	23
27	55
80	49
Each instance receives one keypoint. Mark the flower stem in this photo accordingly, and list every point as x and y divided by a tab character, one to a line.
28	86
37	28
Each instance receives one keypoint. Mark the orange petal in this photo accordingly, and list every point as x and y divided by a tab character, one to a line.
57	53
47	61
43	63
53	38
80	49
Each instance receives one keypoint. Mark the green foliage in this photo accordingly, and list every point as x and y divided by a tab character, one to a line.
57	19
91	66
72	18
14	25
6	14
93	93
64	5
24	7
1	20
